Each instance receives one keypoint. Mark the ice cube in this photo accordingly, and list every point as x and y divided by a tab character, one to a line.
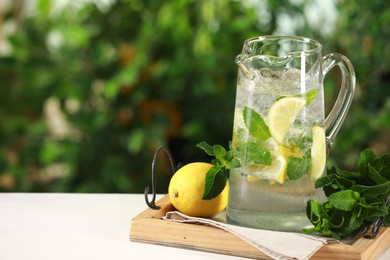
270	74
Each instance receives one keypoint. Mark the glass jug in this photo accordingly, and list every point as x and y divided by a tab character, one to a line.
280	134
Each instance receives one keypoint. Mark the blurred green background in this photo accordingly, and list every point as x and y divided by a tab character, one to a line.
90	89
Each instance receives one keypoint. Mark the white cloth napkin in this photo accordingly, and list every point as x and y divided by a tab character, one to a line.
278	245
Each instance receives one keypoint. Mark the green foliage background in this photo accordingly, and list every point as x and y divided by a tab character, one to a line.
88	93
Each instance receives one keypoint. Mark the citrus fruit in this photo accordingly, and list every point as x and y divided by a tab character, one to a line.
186	189
282	114
318	152
290	150
276	172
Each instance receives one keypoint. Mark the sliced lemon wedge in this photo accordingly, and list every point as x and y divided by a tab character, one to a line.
318	153
290	150
276	172
282	115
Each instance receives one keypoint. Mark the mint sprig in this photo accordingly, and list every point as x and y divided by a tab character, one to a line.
217	176
253	153
250	153
255	124
355	199
297	167
310	96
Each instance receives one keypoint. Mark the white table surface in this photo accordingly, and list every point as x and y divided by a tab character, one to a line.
80	226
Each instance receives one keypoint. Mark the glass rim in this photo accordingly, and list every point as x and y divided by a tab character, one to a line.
317	47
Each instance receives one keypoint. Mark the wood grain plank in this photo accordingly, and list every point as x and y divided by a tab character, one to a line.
148	227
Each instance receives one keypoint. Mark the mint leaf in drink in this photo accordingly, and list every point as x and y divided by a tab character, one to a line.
255	124
304	143
355	199
254	153
310	96
297	167
242	133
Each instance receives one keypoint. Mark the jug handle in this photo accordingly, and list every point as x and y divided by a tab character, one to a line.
337	115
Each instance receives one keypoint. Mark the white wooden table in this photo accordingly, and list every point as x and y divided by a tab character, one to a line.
80	226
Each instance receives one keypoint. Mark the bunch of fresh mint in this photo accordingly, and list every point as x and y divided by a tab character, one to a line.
355	199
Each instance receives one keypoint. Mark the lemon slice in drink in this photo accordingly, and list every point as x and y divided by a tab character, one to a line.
290	150
318	152
276	172
282	115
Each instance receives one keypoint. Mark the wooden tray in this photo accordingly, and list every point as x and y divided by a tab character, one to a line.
148	227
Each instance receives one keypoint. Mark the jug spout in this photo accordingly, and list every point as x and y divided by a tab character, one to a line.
242	66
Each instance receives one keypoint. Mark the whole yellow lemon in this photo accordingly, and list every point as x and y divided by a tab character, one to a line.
186	189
